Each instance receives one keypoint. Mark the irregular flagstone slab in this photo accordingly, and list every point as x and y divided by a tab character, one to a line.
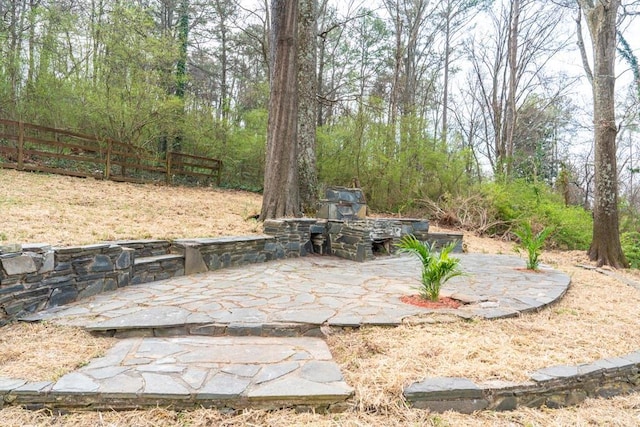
148	318
34	387
123	386
223	386
292	388
309	315
76	382
274	371
9	384
163	386
195	377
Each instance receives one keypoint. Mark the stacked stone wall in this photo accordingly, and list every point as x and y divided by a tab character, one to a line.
36	277
147	247
350	240
553	387
292	236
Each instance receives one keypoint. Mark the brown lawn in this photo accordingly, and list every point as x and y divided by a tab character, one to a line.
599	317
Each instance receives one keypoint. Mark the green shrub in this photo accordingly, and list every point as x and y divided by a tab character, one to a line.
437	267
572	224
631	247
519	202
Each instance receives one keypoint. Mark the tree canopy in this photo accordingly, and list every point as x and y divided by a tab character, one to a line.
413	100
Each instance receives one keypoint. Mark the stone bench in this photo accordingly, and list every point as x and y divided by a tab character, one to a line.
206	254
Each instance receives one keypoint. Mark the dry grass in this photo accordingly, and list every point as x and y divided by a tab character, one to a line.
67	211
599	317
618	412
44	352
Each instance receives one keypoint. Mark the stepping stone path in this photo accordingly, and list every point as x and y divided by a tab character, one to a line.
251	336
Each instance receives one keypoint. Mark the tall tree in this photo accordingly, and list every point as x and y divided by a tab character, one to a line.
181	64
307	105
508	66
281	192
455	15
601	21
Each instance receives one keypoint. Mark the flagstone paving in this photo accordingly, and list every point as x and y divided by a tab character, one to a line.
263	323
297	296
188	372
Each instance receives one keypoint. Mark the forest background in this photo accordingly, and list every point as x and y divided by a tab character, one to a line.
438	108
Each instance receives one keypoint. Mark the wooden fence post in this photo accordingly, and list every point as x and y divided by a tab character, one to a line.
20	145
219	173
169	158
107	165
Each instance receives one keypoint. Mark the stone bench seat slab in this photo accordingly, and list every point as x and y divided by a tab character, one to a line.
157	258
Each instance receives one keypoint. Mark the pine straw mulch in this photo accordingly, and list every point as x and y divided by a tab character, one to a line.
597	318
45	352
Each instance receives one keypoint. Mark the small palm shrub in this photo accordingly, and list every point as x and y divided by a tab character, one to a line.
531	243
437	267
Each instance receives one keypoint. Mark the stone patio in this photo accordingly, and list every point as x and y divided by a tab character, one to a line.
251	336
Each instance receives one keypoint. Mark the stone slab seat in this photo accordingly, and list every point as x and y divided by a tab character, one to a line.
157	258
157	267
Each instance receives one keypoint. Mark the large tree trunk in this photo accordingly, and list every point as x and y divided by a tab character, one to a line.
601	20
281	196
308	106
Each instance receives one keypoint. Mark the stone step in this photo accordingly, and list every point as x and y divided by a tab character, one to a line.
207	329
190	372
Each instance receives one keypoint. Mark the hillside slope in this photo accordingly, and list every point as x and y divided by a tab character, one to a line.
65	211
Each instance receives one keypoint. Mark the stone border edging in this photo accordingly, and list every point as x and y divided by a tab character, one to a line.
554	387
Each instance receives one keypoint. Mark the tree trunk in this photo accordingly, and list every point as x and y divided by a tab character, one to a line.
181	66
511	110
601	20
281	196
447	63
308	106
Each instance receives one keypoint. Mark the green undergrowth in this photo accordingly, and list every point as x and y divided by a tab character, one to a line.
520	202
631	247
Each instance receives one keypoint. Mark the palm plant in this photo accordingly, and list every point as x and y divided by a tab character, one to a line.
532	243
437	267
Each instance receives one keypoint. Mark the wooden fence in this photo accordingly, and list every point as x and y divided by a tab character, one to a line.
29	147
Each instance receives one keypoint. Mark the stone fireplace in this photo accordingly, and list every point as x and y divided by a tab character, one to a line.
342	229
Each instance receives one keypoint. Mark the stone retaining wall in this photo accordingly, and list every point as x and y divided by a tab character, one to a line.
145	248
554	387
36	277
157	267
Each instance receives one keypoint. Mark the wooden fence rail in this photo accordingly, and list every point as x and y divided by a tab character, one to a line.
25	146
